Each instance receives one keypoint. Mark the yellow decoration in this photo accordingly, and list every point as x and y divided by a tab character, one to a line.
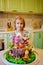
9	26
10	29
26	55
11	44
27	47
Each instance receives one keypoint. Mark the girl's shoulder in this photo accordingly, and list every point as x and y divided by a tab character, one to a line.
25	31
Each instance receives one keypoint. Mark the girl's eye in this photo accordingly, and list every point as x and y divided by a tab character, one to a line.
17	23
21	23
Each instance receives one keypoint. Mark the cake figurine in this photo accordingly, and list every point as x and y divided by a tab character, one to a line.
26	56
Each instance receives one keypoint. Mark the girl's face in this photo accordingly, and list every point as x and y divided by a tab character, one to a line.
19	25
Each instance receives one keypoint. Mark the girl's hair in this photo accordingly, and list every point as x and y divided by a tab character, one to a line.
20	18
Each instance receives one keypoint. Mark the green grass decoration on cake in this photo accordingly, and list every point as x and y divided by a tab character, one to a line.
31	58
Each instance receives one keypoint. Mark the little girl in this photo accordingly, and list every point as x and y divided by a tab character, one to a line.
20	35
19	24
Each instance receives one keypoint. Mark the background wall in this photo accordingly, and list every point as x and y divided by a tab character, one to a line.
31	20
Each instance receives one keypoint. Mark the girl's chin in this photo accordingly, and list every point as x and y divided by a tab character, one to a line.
20	29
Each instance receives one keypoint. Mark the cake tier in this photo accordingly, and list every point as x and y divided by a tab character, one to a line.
17	52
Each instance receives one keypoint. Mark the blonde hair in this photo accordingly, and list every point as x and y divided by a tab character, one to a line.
20	18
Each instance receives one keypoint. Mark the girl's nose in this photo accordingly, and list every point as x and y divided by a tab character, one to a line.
19	24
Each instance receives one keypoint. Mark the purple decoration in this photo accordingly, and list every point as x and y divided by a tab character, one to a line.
16	39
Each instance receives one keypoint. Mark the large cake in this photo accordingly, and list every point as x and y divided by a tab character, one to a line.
20	51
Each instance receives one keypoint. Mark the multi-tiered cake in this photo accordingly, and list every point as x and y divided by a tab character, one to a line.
20	51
